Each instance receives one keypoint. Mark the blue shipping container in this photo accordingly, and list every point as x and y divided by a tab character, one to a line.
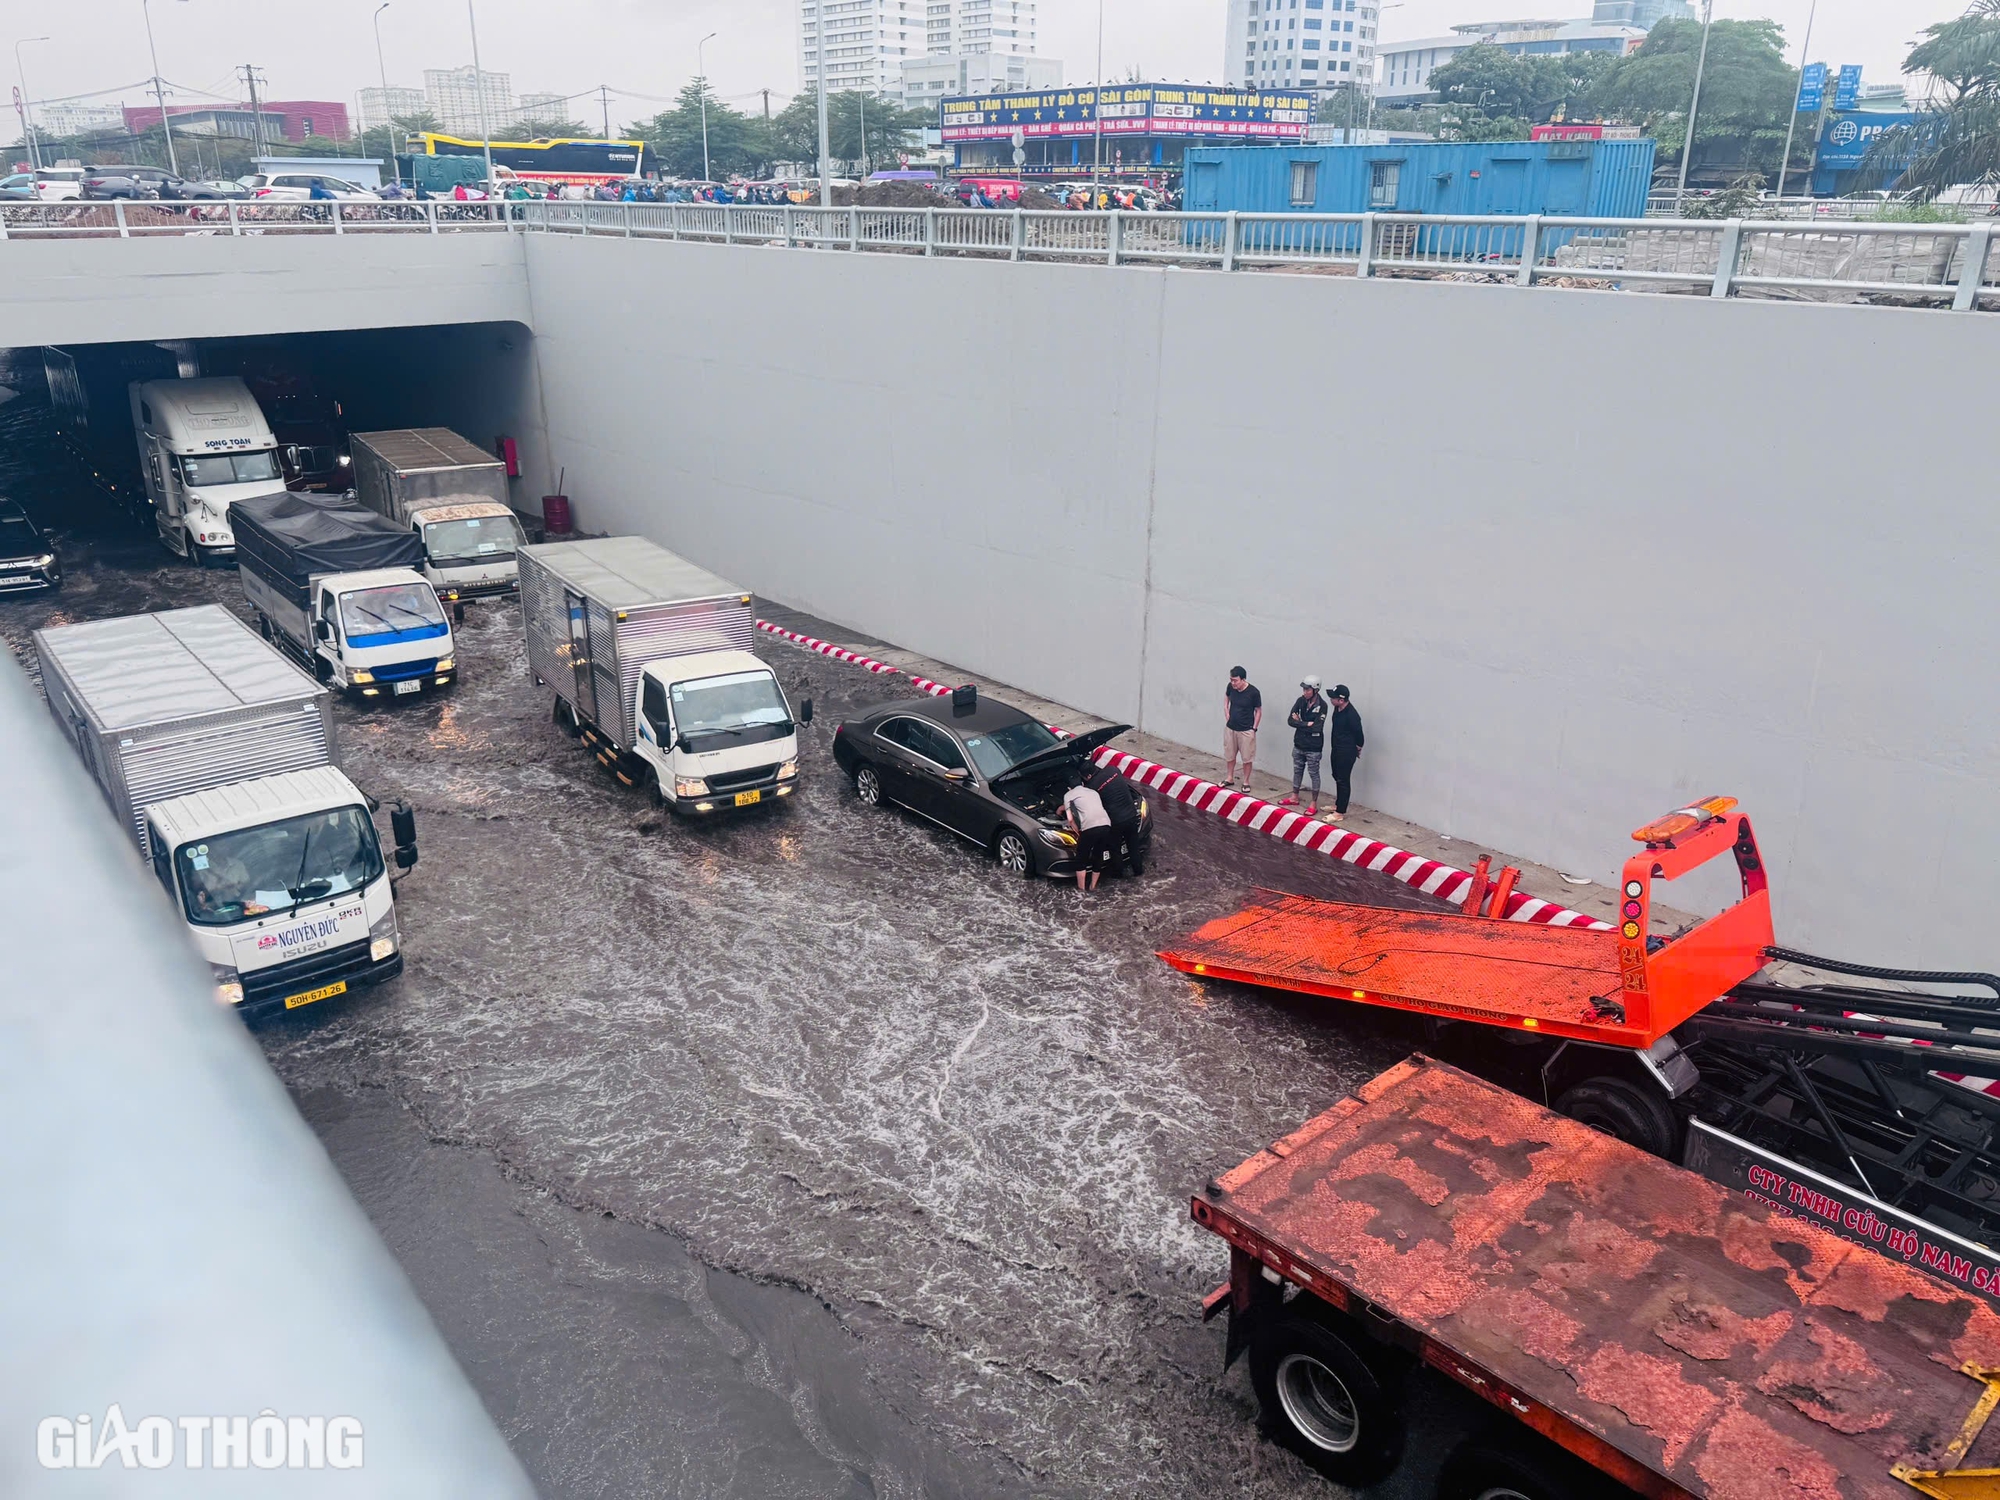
1574	179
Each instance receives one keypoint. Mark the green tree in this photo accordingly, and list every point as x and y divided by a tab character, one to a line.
737	143
1958	142
1747	94
1485	78
795	131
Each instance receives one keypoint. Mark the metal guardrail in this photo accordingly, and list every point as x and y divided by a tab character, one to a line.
1907	264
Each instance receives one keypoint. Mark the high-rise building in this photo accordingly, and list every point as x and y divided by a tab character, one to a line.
1644	14
540	108
456	97
1300	44
380	107
868	42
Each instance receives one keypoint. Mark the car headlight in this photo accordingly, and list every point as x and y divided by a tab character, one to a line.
690	786
383	937
1058	838
228	984
788	770
46	560
447	664
1145	812
361	674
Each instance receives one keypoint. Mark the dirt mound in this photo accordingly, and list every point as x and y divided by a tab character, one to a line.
887	195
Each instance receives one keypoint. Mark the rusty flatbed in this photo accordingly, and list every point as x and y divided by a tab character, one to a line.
1679	1338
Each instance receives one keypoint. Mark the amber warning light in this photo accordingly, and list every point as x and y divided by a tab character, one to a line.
1674	824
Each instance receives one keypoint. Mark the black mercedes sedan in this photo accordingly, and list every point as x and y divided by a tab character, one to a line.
982	769
27	557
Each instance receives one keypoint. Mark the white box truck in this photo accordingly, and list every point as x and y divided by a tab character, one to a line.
650	659
215	753
336	586
203	444
453	494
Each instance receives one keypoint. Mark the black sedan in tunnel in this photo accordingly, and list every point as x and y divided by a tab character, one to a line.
27	557
984	770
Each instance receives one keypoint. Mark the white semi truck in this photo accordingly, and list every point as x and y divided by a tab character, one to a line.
216	755
453	494
336	587
203	444
650	659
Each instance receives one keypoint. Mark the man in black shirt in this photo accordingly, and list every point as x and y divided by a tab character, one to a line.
1115	792
1242	717
1344	742
1308	721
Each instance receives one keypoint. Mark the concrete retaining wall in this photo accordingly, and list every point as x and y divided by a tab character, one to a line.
1581	556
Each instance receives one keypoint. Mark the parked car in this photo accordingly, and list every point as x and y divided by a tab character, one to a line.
19	188
986	771
125	181
297	187
28	558
50	184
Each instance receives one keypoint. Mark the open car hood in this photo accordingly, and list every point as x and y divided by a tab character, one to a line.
1081	745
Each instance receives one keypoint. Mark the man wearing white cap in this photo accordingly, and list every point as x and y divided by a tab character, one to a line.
1308	721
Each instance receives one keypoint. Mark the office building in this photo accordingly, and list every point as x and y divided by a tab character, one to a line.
283	119
928	78
1407	66
64	120
459	97
870	44
380	107
1306	44
1644	14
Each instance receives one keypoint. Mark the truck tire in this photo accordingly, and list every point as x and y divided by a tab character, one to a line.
1625	1111
1323	1401
1505	1468
565	718
264	625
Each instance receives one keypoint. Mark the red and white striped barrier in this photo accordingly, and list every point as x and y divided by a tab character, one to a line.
1426	875
825	648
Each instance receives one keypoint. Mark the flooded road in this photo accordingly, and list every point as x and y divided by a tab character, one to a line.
804	1153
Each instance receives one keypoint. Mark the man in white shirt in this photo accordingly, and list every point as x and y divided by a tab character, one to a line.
1091	824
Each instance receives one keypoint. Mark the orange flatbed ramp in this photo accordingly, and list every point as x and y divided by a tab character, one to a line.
1722	1349
1518	974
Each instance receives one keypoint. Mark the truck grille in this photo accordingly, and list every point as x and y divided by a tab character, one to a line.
402	671
307	973
732	781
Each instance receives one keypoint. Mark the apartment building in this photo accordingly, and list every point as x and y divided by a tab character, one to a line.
1303	44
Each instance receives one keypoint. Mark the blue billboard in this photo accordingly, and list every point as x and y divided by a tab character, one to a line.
1812	89
1850	136
1847	88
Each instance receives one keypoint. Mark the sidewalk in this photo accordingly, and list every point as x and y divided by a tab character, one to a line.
1591	898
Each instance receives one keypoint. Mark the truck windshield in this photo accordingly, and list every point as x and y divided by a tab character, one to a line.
392	614
232	877
742	708
228	468
476	539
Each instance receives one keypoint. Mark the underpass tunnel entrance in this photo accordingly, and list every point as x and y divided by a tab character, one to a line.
74	455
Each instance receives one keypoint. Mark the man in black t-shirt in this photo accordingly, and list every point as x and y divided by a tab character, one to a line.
1115	792
1242	717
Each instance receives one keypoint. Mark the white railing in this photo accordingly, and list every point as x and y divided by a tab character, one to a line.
1900	263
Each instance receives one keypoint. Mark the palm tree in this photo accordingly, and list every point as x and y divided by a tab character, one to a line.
1957	142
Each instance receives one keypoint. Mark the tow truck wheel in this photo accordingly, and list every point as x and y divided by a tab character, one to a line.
1322	1400
1624	1111
867	785
1498	1469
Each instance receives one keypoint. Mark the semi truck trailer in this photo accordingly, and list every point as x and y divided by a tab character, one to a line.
336	586
203	445
649	656
215	754
453	494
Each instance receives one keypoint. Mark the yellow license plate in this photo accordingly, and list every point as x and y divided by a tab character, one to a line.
744	799
326	992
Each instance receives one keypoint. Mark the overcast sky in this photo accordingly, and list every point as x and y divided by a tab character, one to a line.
325	49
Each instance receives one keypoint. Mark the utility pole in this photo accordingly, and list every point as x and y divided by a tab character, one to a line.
604	98
1097	104
256	114
388	120
27	103
1694	107
479	94
767	106
701	71
864	134
160	89
819	72
1790	130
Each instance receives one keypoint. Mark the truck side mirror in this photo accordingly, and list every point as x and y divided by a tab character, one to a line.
806	711
403	823
323	630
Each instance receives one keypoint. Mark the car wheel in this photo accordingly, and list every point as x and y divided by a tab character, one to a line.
868	785
1322	1400
1012	850
1623	1111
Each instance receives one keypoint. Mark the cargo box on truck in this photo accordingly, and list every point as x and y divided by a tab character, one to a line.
453	494
650	659
336	585
215	754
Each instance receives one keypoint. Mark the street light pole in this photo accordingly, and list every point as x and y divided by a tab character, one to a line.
479	94
819	71
1792	129
1097	104
28	102
160	89
388	121
701	70
1694	106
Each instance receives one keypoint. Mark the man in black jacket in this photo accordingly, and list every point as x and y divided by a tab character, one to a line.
1115	792
1308	721
1344	742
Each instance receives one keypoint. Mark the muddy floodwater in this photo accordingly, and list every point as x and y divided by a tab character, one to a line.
803	1153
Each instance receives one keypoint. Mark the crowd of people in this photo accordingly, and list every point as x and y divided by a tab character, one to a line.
970	193
1321	723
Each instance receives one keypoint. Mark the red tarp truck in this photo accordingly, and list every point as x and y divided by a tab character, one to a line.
1634	1327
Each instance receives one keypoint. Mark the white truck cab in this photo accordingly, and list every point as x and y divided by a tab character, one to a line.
717	731
469	548
202	444
282	884
379	634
